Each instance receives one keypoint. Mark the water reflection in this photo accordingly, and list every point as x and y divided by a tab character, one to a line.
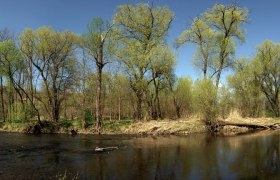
171	157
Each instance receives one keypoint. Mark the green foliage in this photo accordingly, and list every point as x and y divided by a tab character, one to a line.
88	117
40	75
13	125
52	55
225	102
64	124
140	35
247	93
97	37
200	34
183	97
266	67
228	19
214	32
19	112
205	100
115	126
77	124
10	59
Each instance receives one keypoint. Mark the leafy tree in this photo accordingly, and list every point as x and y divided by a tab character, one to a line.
205	98
214	32
227	22
5	34
225	102
201	34
162	63
182	96
267	72
11	64
52	55
140	29
246	89
96	44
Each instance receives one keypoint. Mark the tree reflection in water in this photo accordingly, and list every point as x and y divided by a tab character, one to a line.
168	157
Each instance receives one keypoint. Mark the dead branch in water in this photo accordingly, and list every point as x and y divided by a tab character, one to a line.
105	149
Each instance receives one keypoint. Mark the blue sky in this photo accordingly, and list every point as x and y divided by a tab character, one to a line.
73	15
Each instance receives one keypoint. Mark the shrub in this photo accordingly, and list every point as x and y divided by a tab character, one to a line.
205	100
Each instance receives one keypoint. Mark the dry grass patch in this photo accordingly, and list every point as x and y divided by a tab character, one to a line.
181	126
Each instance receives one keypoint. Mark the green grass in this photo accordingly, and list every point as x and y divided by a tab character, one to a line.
12	126
1	124
115	126
49	127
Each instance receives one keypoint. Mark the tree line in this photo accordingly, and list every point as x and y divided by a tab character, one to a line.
124	69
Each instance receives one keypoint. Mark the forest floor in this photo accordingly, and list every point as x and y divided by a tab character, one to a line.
183	126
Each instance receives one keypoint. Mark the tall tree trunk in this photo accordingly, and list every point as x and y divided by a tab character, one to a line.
218	78
157	102
222	55
205	69
56	111
2	100
11	101
56	105
139	114
98	100
100	65
84	91
157	113
273	101
158	107
119	107
177	108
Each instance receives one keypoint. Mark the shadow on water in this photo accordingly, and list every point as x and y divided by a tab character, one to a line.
166	157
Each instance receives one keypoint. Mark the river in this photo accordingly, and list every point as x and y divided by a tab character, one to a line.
164	157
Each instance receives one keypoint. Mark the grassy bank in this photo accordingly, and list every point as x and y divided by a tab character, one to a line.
181	126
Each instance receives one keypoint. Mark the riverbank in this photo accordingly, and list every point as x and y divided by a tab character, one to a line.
152	127
182	126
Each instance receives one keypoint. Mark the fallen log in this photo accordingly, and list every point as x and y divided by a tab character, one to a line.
275	126
251	126
105	149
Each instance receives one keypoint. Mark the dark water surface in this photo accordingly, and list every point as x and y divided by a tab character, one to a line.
254	156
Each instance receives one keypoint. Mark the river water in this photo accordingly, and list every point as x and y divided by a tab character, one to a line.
253	156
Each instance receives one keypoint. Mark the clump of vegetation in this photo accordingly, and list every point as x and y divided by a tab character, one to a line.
116	126
206	104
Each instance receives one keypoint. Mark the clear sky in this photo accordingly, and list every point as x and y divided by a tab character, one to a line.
73	15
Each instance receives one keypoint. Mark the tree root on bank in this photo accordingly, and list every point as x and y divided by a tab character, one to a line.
33	129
